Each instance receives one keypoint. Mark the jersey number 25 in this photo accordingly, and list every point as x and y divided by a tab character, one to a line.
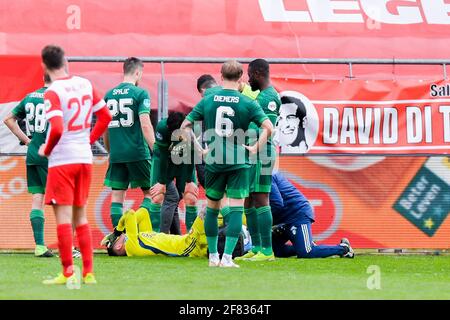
121	106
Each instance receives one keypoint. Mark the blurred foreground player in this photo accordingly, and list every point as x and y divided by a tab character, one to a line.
134	236
70	102
293	217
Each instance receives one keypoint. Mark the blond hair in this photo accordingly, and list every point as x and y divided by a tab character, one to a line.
232	70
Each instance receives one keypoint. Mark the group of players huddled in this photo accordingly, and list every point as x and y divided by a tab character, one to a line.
224	143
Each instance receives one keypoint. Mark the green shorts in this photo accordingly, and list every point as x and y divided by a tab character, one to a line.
181	173
134	174
36	178
260	177
261	172
235	183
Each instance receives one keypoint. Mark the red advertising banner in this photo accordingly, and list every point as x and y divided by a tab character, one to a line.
288	28
363	117
236	28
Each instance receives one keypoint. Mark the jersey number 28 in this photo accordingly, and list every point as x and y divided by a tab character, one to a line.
36	113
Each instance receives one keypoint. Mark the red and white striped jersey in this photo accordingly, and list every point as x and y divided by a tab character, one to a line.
74	99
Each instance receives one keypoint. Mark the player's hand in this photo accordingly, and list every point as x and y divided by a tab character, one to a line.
241	86
252	149
158	188
204	151
41	150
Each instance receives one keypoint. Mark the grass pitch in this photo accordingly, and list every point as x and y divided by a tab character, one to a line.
402	277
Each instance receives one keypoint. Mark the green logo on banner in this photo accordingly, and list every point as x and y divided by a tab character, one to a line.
425	202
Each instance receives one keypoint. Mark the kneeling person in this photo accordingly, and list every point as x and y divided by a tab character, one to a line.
293	216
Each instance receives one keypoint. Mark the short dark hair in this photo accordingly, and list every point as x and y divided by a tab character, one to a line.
53	57
261	66
175	120
131	64
205	81
111	251
47	78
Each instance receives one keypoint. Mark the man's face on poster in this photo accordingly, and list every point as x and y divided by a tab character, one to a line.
288	123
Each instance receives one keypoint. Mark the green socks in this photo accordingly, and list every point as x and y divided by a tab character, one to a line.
265	228
253	228
37	223
234	228
225	211
155	215
212	229
191	215
116	213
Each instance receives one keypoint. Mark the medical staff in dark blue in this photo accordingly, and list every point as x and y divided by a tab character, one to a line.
292	219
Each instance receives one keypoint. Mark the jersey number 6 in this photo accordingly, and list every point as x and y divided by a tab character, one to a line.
224	126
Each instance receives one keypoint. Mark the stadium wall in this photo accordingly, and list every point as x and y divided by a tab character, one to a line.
354	197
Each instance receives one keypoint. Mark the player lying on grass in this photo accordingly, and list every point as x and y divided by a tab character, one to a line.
134	236
292	218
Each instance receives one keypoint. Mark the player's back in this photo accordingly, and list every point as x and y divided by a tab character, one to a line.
295	205
270	102
227	115
212	90
126	102
72	98
32	109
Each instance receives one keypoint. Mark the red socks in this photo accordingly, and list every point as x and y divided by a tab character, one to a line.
85	241
65	241
64	232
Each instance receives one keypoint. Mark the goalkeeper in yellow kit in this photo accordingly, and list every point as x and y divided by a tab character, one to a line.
134	236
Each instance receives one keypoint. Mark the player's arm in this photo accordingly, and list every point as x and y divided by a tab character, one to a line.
144	119
103	117
266	131
54	116
160	161
11	122
147	130
131	227
161	155
275	197
266	127
106	140
197	114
